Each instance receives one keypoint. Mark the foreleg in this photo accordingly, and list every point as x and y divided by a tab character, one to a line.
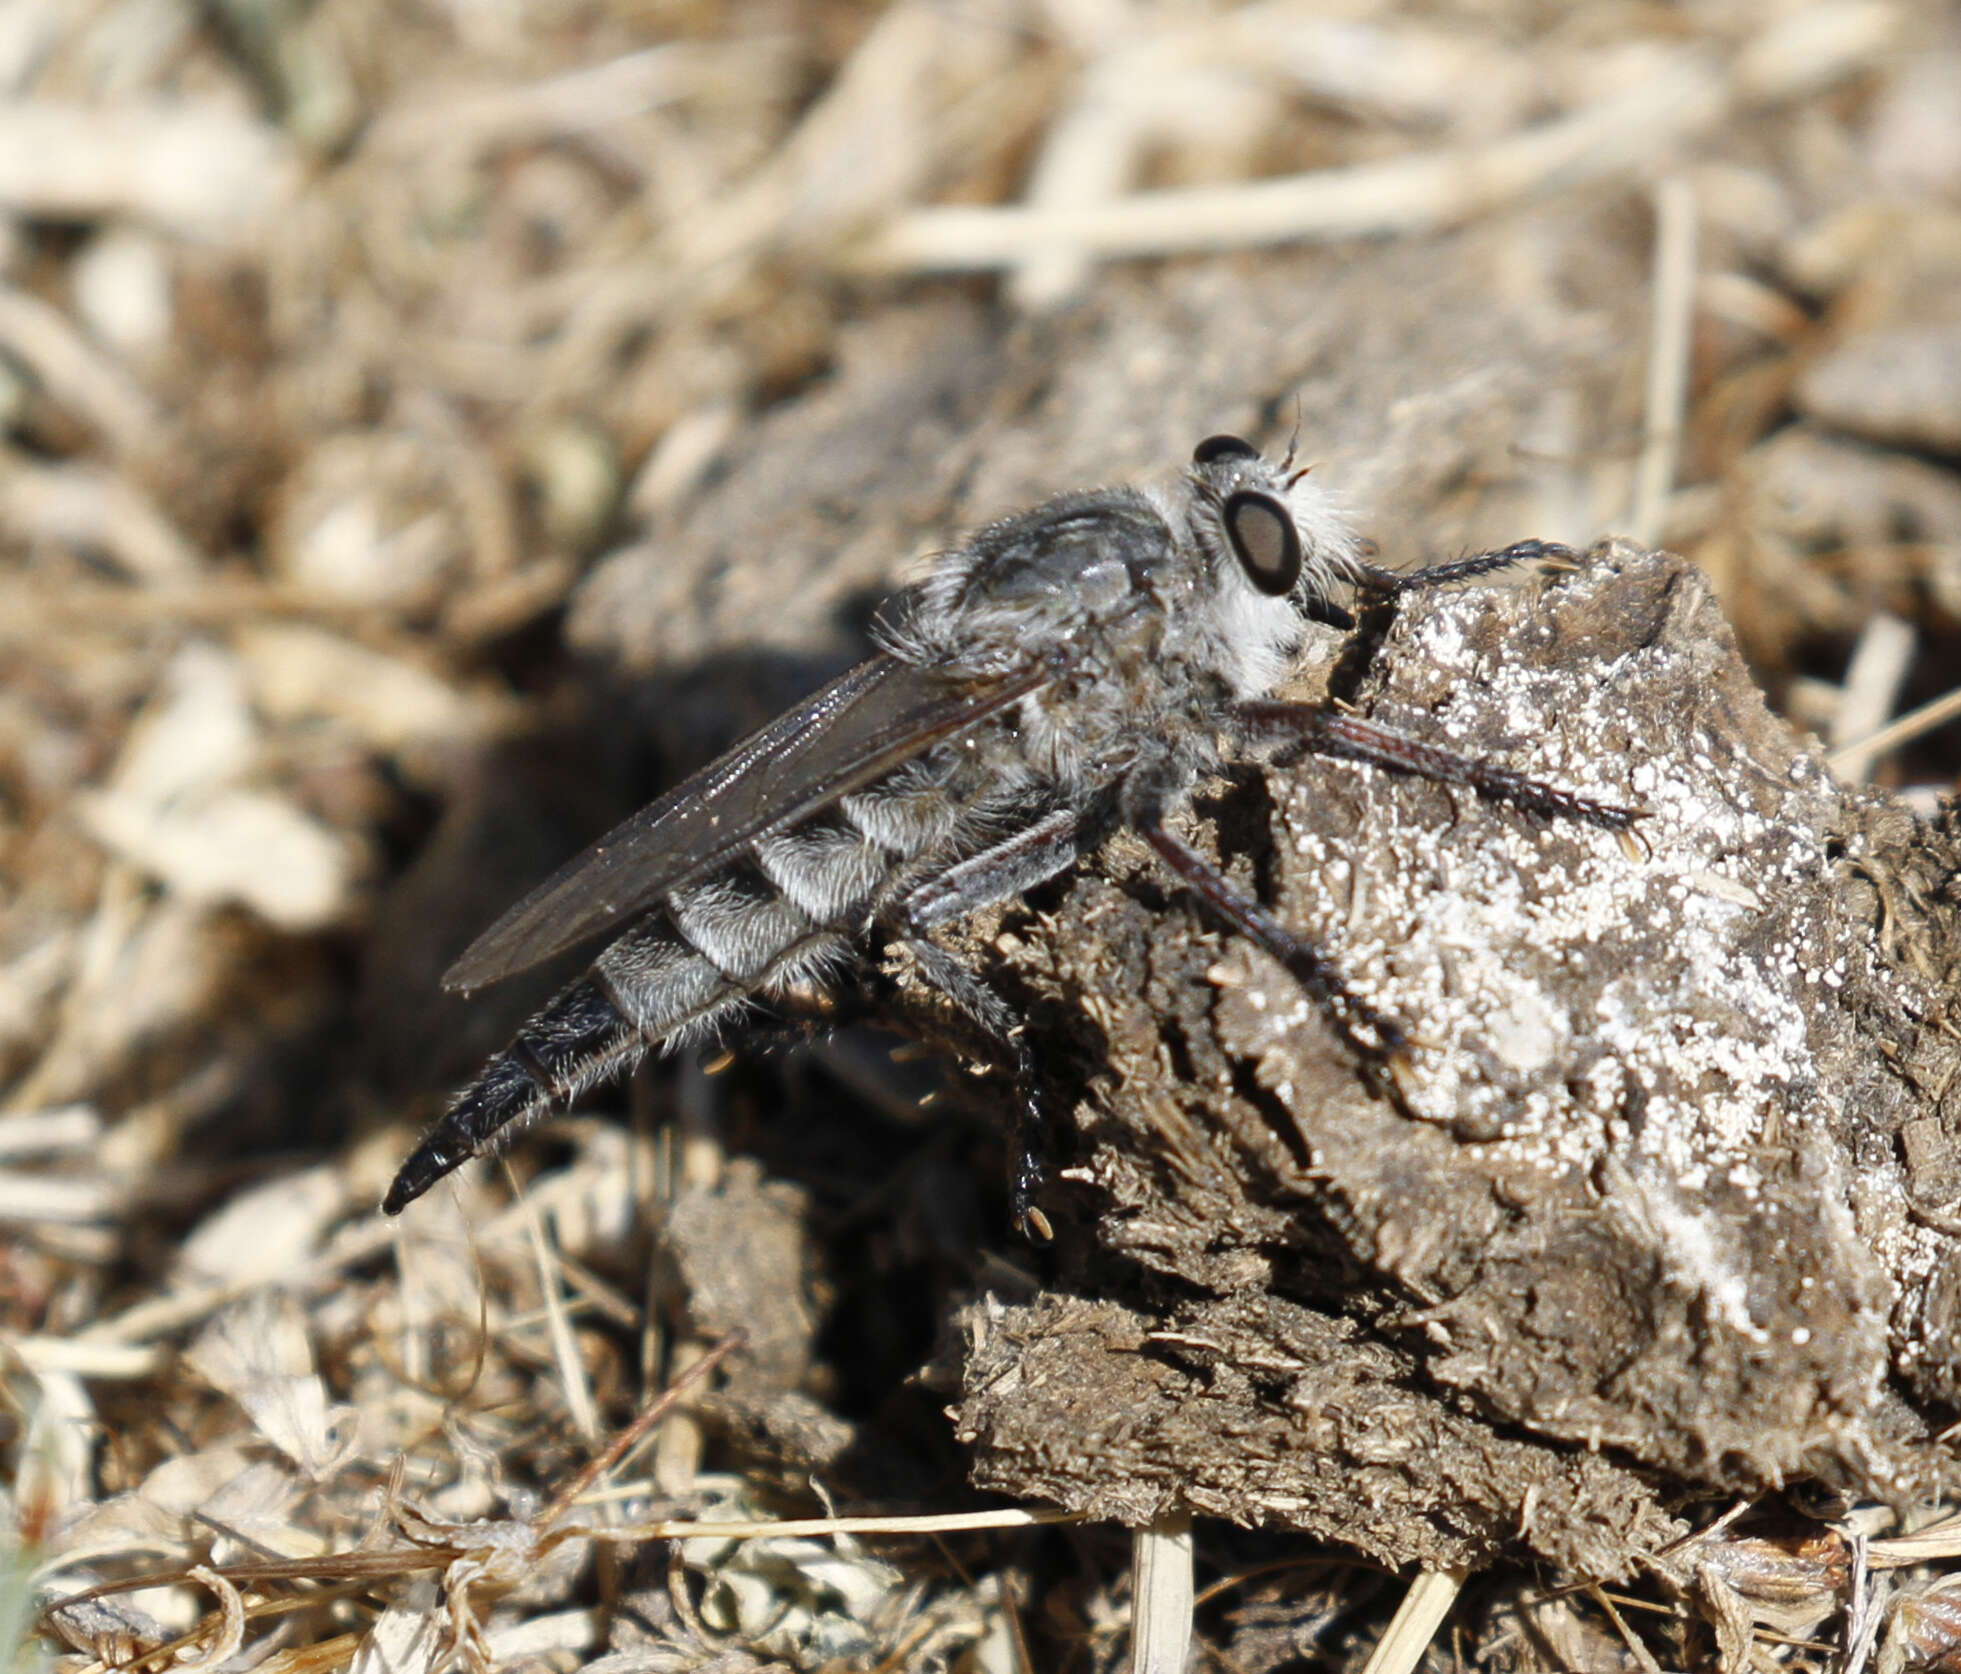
1395	583
1381	586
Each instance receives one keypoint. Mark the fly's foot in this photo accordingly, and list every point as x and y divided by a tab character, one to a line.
1030	1176
1370	1033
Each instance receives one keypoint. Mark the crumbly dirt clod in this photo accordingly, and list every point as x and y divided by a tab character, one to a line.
1661	1182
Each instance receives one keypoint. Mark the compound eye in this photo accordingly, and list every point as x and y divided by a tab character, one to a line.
1215	448
1264	540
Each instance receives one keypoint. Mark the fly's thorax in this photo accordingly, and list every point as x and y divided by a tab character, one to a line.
1097	725
1043	585
1107	583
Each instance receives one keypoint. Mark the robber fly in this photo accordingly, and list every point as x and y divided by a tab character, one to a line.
1068	671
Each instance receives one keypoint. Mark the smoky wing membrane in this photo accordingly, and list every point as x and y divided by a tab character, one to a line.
861	726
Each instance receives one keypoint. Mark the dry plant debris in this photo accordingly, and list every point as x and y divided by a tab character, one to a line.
413	414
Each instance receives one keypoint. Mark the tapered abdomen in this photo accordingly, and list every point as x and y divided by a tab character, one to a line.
793	901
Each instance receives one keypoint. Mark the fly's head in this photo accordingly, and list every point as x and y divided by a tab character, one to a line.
1268	549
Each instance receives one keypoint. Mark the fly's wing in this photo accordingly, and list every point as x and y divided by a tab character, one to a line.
858	728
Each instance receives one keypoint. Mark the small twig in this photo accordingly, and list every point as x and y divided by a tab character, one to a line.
1407	195
80	504
817	1528
76	375
1644	1658
650	1415
1161	1597
482	119
1671	336
1937	712
1417	1619
1863	1614
1872	683
194	167
572	1377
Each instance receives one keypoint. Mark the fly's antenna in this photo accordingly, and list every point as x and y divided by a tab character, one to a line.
1293	442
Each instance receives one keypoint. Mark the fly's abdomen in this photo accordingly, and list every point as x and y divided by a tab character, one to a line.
827	868
762	924
601	1025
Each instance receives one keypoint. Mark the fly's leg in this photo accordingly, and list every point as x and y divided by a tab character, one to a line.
1007	1036
1330	615
1395	583
1016	864
1032	855
1379	593
1382	585
1328	732
1368	1030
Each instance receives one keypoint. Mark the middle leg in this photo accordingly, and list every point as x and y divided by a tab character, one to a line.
1329	732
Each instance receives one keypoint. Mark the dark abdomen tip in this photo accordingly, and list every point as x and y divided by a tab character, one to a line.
504	1094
